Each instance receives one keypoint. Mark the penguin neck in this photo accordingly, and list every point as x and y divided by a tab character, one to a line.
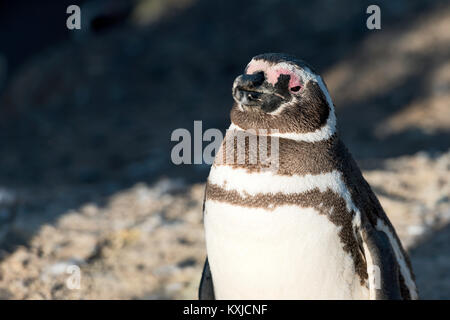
321	134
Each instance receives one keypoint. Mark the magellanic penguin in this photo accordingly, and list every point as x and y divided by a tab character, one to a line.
309	227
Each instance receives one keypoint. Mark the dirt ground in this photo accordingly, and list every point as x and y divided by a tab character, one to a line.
85	171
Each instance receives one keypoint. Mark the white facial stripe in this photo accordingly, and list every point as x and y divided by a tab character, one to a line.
381	226
321	134
283	106
238	179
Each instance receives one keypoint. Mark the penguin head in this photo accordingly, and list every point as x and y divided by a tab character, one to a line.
280	92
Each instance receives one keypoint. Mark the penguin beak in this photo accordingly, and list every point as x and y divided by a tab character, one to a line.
251	90
247	89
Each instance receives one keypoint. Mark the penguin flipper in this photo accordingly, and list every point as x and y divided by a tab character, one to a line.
382	265
206	288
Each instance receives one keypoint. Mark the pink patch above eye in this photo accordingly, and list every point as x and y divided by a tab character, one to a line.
256	66
273	74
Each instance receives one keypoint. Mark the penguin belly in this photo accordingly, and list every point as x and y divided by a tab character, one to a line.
287	252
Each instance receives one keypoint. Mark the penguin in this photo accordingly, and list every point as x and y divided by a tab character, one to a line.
309	227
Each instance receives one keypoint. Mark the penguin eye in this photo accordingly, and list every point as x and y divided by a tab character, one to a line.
295	89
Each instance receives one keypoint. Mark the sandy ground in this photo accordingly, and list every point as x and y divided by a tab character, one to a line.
85	172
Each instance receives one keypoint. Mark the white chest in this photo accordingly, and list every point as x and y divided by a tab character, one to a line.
287	253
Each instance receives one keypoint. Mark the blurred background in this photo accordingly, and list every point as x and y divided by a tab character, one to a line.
86	117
